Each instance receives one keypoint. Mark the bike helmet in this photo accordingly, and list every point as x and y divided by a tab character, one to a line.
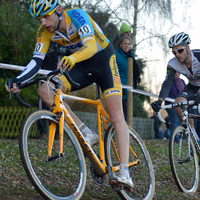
179	39
39	8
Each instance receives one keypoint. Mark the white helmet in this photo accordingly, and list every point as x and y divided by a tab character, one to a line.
179	39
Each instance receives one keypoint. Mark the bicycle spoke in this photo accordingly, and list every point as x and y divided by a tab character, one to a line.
184	162
141	169
60	177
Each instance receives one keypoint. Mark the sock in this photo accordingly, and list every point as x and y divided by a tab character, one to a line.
195	133
84	129
124	169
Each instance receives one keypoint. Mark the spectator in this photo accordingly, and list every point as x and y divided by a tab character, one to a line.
157	124
124	30
161	134
168	126
177	87
122	55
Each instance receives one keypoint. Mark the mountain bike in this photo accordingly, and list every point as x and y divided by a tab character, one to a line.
55	164
184	150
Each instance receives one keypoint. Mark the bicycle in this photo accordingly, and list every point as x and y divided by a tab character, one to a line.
57	168
184	150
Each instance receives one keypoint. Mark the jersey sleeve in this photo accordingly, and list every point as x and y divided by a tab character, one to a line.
43	39
167	83
86	52
82	21
30	71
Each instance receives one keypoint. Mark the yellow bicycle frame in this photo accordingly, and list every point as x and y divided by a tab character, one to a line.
64	116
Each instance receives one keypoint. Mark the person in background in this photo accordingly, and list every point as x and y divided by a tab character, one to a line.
168	126
124	30
177	87
122	55
186	62
157	124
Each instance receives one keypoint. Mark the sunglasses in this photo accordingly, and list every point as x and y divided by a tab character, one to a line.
178	50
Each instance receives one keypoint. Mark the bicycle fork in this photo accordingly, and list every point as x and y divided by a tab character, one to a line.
52	131
195	142
187	135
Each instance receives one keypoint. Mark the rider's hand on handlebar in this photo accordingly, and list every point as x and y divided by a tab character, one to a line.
156	105
66	63
13	89
197	99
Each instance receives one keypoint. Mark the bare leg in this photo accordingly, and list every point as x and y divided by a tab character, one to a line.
179	110
44	94
114	107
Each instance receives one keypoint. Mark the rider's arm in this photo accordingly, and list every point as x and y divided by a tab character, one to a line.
167	83
30	71
87	51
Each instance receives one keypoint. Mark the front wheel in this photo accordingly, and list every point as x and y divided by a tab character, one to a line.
141	171
63	178
183	161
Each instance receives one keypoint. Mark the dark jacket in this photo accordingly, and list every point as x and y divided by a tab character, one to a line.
122	62
174	92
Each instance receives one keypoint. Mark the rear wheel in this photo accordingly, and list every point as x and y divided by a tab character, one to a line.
184	162
62	178
142	172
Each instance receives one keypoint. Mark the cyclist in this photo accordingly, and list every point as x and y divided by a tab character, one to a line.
186	62
91	52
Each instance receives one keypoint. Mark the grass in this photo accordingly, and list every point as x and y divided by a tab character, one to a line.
14	183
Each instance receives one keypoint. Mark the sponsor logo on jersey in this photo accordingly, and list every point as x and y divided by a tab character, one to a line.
75	39
39	55
70	27
82	49
38	40
98	37
79	17
39	33
112	92
57	37
113	64
71	33
74	46
117	80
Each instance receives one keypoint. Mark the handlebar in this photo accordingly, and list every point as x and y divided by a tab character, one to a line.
45	77
191	102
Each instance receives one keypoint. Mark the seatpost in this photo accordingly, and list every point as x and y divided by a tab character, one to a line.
97	90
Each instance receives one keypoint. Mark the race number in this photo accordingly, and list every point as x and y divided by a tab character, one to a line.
38	47
84	29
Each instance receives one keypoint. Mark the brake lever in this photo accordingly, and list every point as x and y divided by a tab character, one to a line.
9	84
61	71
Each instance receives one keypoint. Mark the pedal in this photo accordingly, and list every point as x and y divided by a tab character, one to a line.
115	185
119	186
